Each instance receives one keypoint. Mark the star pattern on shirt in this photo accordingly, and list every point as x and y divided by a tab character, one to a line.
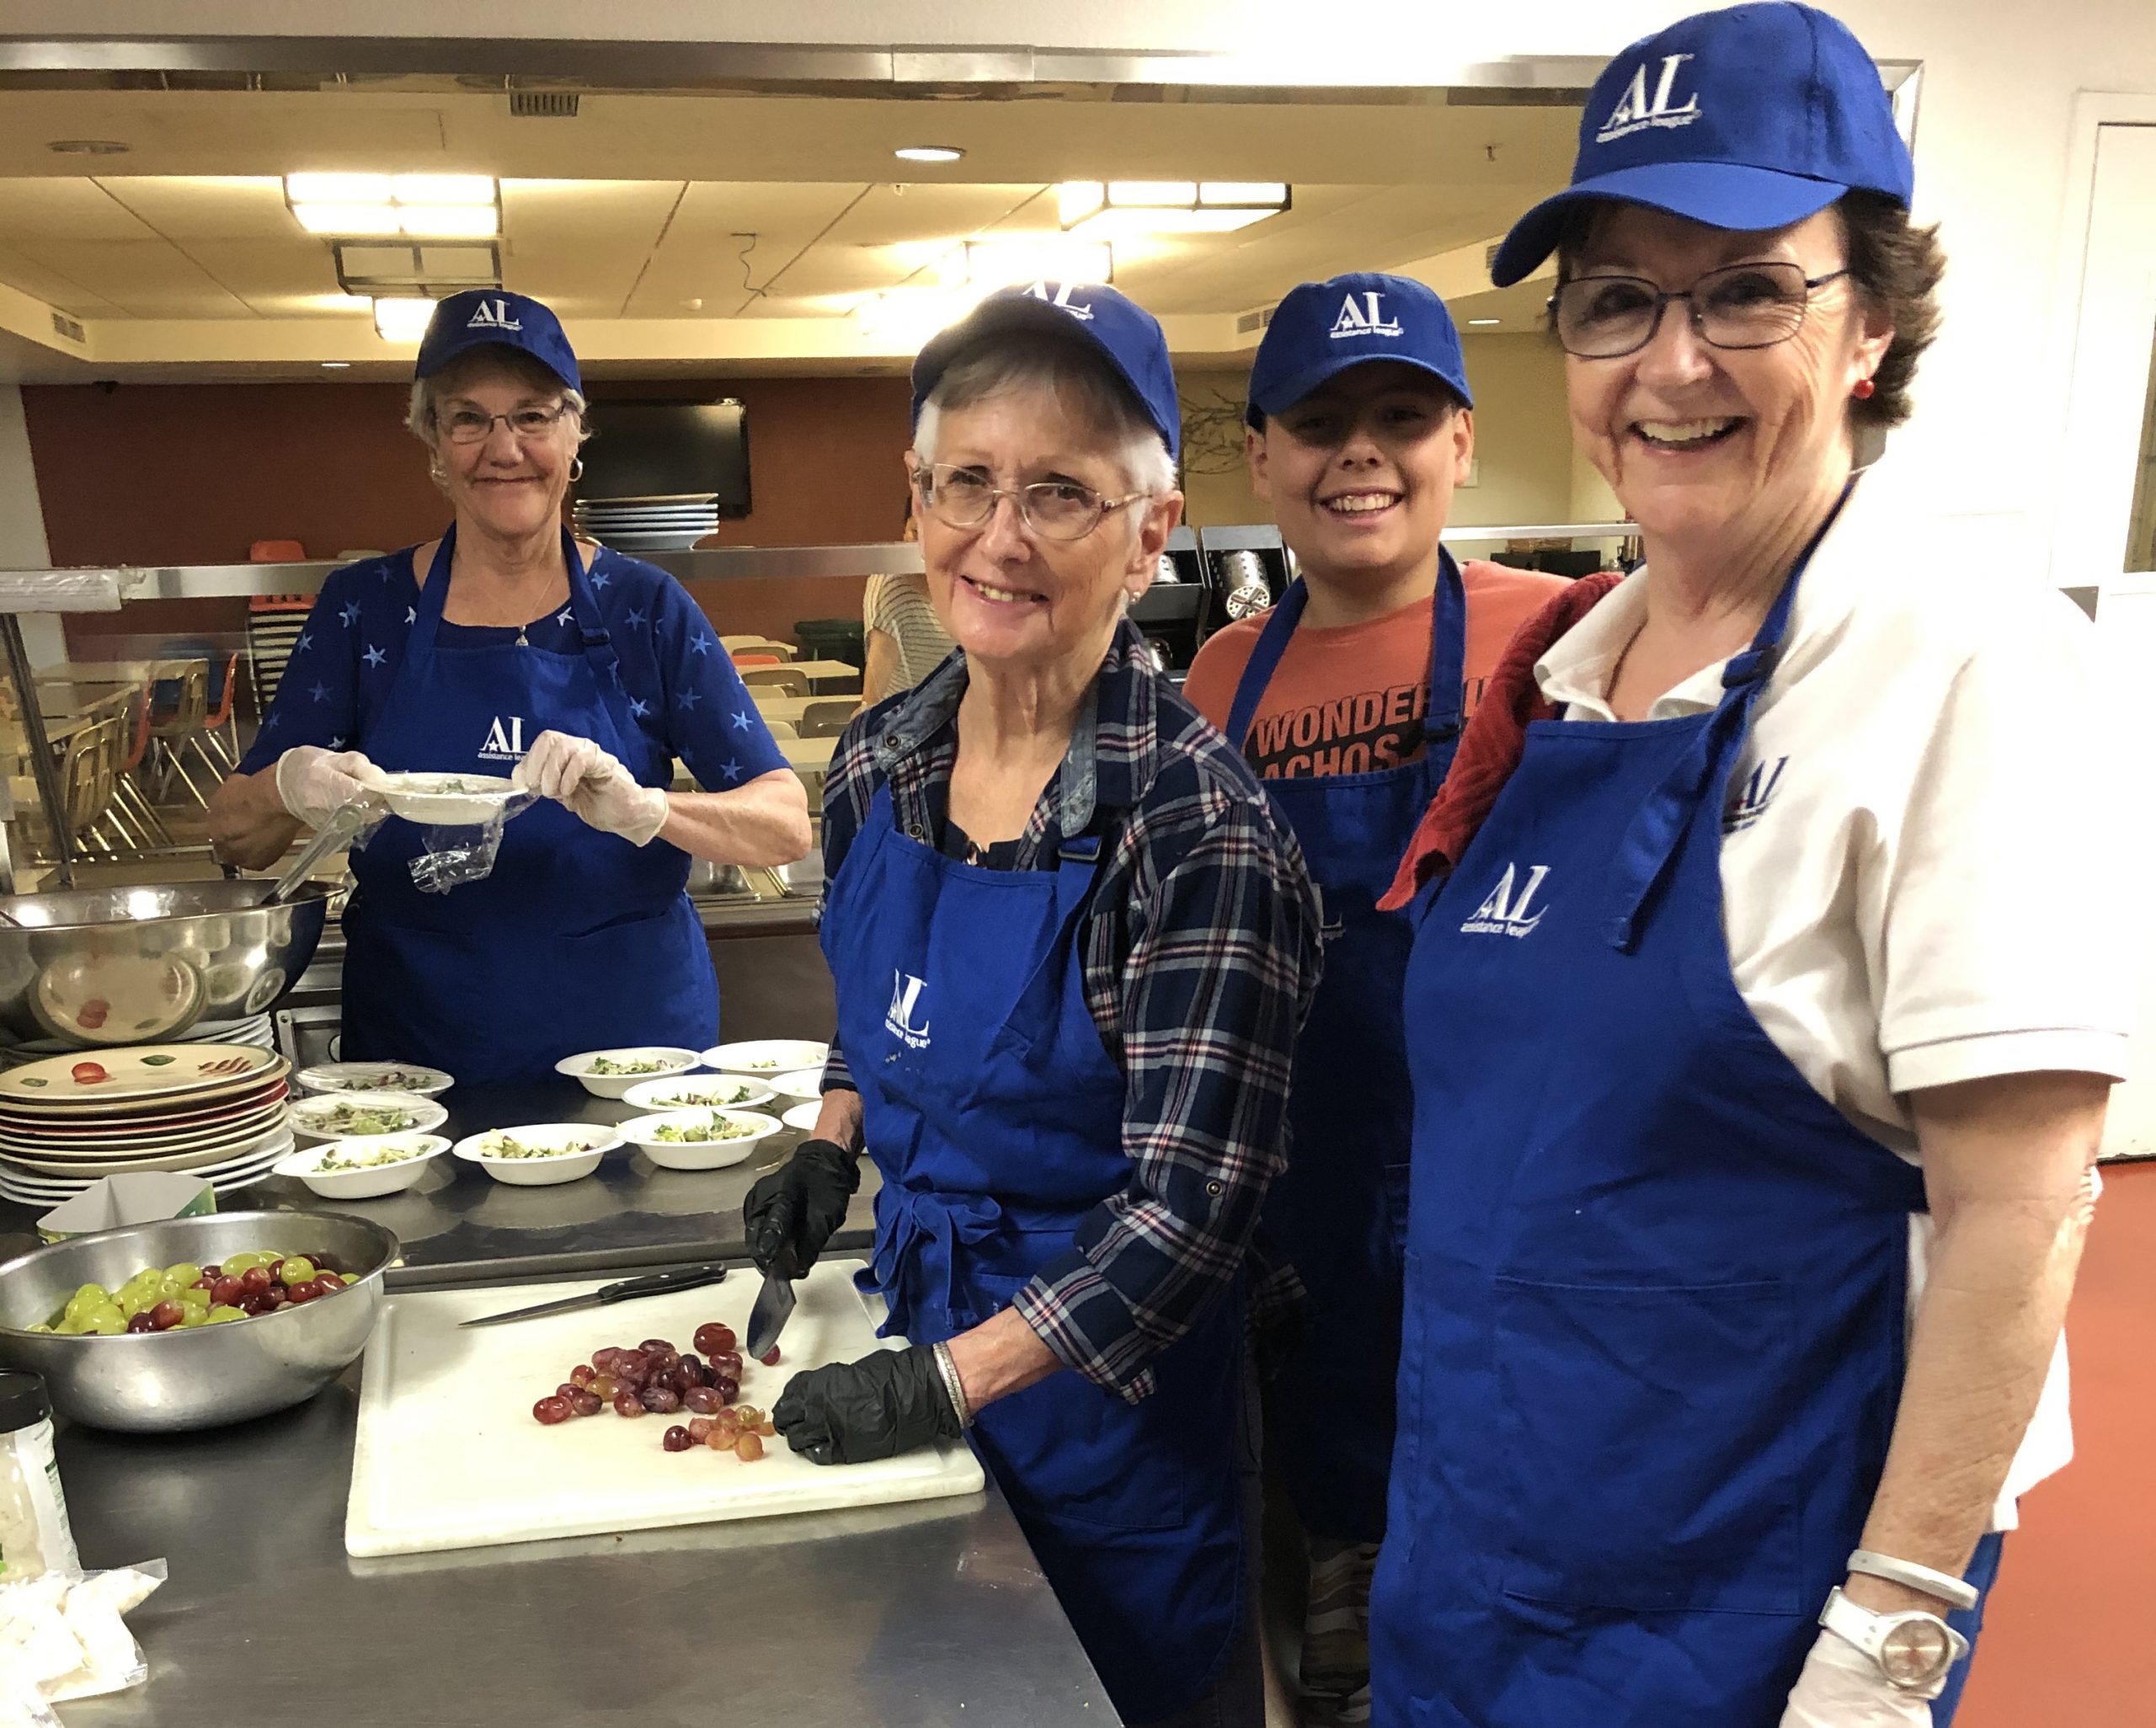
600	579
563	617
638	707
337	743
742	722
411	615
701	645
374	656
351	613
270	724
303	644
634	616
319	690
731	771
690	698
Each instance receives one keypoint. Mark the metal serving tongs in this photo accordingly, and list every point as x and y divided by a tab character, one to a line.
344	823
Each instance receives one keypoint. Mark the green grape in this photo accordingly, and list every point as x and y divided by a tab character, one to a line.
128	1300
192	1298
192	1316
105	1322
70	1328
221	1314
235	1264
185	1271
39	1328
86	1298
296	1272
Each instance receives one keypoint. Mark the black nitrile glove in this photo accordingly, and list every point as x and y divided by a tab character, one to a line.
799	1204
852	1412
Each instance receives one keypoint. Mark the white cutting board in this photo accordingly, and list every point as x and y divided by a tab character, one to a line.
449	1456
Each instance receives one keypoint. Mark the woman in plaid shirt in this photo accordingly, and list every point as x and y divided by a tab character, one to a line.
1072	948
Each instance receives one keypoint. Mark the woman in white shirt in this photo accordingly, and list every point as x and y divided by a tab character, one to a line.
1753	962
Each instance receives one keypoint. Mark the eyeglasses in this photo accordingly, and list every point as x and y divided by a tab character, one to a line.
1054	509
1744	305
469	426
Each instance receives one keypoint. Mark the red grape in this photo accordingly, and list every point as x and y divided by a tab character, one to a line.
748	1447
727	1388
727	1362
767	1428
691	1372
585	1403
626	1404
256	1279
655	1347
568	1390
551	1410
633	1371
583	1374
140	1323
676	1439
770	1358
305	1291
252	1302
274	1298
204	1283
227	1291
700	1428
703	1399
276	1270
727	1422
329	1281
213	1272
720	1440
661	1400
605	1386
713	1338
166	1315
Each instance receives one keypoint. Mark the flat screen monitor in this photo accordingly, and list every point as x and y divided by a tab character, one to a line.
668	449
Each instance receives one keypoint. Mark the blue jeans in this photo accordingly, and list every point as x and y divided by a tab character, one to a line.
1983	1573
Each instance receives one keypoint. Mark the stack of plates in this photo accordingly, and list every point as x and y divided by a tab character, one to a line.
255	1029
634	524
212	1110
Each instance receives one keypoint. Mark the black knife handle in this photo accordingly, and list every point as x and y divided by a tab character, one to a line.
679	1277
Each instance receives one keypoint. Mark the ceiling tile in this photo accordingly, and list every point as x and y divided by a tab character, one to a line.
202	207
147	278
64	209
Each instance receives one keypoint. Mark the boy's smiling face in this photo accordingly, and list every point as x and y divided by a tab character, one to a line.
1360	472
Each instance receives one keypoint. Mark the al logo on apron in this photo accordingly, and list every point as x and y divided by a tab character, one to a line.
994	1115
1340	1210
577	939
1655	1283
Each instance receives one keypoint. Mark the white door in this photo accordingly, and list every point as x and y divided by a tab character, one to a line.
2105	537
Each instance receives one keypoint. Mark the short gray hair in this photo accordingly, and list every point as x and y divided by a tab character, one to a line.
1078	381
491	358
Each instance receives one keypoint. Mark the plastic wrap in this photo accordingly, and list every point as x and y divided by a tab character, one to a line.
452	856
62	1637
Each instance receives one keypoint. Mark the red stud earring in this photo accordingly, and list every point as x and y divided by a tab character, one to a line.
1862	389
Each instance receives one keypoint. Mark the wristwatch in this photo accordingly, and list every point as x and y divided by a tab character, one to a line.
1913	1650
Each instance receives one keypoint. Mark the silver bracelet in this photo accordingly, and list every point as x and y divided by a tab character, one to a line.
954	1387
1948	1588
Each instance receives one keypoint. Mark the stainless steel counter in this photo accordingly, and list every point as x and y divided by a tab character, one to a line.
896	1616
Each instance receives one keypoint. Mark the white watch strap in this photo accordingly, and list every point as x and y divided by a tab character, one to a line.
1948	1588
1855	1625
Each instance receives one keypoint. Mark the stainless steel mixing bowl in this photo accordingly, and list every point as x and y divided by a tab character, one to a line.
137	965
160	1383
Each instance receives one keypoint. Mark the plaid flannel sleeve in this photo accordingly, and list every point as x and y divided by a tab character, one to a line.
1223	952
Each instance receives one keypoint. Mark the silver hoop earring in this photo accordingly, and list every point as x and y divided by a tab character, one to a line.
576	469
437	473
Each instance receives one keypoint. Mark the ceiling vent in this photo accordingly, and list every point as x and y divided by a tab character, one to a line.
435	267
66	326
543	104
1490	256
1250	323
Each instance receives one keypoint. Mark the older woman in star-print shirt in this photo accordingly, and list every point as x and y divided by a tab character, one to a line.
507	649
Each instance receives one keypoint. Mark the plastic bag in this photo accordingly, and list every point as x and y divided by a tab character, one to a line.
451	856
62	1637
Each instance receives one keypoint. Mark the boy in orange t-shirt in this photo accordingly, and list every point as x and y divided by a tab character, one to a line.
1348	697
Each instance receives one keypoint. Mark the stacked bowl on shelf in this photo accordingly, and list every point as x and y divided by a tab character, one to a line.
214	1110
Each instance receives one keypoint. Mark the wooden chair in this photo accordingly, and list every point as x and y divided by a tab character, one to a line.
172	732
781	728
828	719
89	769
757	645
783	678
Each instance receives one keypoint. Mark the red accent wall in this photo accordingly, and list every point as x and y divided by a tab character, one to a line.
196	473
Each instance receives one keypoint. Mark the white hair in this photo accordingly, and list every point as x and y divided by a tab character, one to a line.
1077	380
489	358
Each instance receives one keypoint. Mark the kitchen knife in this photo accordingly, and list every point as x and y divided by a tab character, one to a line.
679	1277
774	1305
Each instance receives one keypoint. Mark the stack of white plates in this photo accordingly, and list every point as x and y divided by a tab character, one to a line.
255	1029
648	524
217	1110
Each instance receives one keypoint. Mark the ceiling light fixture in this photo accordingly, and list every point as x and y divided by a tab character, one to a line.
1485	321
400	319
421	207
336	365
87	147
1107	210
928	152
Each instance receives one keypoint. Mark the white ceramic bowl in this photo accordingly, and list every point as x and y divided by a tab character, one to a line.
699	1092
617	1086
453	800
316	1117
595	1139
802	1083
762	1057
374	1181
643	1133
421	1082
803	1116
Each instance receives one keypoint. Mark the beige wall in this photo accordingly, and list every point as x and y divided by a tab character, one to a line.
1524	464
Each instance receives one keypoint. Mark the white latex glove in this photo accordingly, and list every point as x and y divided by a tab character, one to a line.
313	783
597	788
1842	1687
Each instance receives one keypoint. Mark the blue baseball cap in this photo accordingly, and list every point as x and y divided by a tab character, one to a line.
480	316
1122	331
1750	118
1325	327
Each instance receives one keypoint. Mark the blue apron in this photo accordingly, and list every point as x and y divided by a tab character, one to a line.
1656	1283
1340	1211
994	1115
577	940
